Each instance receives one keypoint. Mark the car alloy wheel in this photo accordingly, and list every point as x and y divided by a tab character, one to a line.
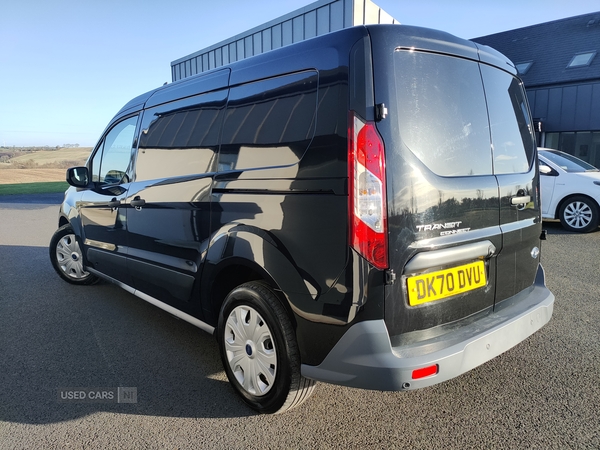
579	214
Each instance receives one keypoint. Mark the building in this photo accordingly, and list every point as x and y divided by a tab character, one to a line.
560	66
318	18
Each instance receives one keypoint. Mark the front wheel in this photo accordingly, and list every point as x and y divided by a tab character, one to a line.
259	350
66	257
579	214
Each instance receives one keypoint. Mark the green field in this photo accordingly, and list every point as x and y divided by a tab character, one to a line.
33	188
44	159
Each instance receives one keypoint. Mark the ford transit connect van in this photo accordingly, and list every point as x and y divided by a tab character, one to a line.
361	208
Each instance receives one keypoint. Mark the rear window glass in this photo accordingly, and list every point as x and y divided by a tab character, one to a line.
443	115
514	145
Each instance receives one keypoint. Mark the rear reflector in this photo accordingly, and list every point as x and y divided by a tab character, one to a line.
425	372
366	173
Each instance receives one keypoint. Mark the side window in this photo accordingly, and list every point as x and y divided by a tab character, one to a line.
514	143
269	123
111	161
181	138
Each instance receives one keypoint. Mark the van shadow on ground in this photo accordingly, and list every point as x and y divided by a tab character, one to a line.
54	335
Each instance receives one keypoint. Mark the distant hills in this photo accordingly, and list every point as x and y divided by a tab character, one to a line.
42	157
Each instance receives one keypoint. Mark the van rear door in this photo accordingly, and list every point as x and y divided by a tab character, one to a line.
443	204
462	208
513	155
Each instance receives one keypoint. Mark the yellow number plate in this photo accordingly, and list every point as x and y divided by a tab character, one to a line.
445	283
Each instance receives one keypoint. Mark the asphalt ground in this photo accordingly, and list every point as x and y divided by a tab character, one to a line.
542	394
31	199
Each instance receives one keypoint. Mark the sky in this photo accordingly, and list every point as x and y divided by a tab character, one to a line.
67	66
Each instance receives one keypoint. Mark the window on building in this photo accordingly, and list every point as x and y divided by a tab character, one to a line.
551	140
523	67
582	59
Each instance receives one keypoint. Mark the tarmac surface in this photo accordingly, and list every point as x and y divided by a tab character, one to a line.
32	199
542	394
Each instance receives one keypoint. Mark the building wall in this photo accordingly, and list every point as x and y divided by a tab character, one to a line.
318	18
566	108
565	98
570	118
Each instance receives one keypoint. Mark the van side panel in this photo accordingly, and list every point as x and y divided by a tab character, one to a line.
292	186
169	232
278	176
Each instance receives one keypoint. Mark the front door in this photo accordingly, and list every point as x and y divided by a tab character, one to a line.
102	214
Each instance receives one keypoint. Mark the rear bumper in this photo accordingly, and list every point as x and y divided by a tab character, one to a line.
364	357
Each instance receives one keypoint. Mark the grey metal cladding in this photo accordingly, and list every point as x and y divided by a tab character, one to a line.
564	97
316	19
551	46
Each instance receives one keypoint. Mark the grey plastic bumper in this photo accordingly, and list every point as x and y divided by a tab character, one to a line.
364	357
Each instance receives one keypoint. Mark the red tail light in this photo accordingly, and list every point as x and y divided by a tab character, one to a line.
368	214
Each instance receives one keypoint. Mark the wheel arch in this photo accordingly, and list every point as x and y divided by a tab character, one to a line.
234	272
243	254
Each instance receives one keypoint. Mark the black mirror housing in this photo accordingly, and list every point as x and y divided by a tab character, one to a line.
78	177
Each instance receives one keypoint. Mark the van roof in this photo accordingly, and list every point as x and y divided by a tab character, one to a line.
289	59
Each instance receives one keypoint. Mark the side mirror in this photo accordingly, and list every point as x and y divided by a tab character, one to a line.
78	177
547	170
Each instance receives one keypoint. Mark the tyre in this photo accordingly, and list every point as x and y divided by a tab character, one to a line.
259	350
67	259
579	214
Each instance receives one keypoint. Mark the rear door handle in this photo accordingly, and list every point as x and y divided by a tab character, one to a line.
521	200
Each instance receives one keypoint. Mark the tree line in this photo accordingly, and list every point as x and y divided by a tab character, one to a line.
15	148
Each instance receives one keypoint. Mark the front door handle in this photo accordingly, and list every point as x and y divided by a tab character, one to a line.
138	202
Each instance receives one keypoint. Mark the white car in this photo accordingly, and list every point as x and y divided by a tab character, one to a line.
570	190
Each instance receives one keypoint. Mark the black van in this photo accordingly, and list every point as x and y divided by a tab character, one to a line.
361	208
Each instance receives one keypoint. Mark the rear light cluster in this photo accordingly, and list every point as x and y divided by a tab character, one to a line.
368	214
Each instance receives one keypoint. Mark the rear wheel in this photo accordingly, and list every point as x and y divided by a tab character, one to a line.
66	257
259	350
579	214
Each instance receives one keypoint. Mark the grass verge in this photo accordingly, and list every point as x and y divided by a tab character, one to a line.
49	187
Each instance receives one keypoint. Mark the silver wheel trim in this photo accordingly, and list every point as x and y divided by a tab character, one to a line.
68	256
250	350
578	215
